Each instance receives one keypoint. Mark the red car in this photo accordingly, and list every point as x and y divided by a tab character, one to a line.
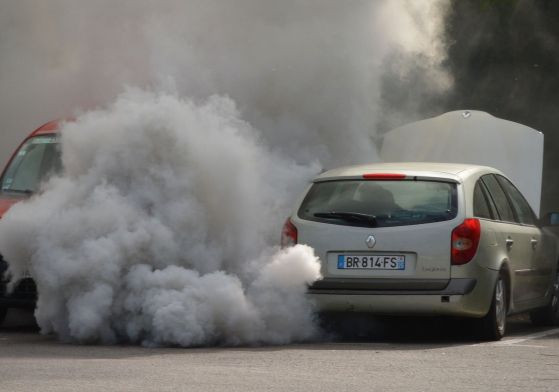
35	160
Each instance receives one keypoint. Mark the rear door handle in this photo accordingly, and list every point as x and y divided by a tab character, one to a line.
509	241
534	243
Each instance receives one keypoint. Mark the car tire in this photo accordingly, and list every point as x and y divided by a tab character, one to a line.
549	315
493	325
3	312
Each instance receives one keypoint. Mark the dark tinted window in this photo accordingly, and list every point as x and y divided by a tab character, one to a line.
501	202
379	203
520	205
481	206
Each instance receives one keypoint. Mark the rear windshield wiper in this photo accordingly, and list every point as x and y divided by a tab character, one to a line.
348	216
24	191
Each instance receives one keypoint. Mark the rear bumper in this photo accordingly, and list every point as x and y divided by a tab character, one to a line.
460	297
393	287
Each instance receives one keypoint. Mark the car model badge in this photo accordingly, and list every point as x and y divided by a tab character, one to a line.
371	241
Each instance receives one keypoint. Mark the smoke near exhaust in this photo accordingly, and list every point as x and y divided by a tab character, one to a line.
159	230
164	227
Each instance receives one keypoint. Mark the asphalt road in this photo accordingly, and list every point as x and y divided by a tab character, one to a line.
394	355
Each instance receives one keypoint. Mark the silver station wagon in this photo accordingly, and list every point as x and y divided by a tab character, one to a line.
429	239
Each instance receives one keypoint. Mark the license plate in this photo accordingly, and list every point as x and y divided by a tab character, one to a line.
377	262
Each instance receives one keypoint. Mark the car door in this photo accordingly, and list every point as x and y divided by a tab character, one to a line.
516	239
540	267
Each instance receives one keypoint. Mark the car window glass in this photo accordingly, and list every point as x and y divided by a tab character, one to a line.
520	205
37	159
501	202
481	208
379	203
489	200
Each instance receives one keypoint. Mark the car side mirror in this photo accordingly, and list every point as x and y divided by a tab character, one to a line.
551	219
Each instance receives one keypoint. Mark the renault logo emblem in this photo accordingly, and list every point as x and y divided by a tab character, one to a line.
371	241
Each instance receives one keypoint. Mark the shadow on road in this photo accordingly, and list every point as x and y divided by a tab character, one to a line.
353	331
20	321
433	331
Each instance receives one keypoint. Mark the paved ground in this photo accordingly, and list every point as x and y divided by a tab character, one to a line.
398	355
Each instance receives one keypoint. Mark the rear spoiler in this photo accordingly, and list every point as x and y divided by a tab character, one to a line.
473	137
405	178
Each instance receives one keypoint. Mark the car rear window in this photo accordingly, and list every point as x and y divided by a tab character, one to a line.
373	203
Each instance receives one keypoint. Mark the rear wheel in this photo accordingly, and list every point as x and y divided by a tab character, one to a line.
550	314
493	324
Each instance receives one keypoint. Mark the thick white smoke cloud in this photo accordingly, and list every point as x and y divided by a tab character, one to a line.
307	73
160	230
163	228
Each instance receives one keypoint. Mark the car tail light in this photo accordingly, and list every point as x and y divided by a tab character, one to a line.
288	234
465	240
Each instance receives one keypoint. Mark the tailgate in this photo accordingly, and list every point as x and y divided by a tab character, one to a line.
425	249
381	234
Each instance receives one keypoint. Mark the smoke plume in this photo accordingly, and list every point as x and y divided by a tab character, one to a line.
163	227
503	56
306	73
159	230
